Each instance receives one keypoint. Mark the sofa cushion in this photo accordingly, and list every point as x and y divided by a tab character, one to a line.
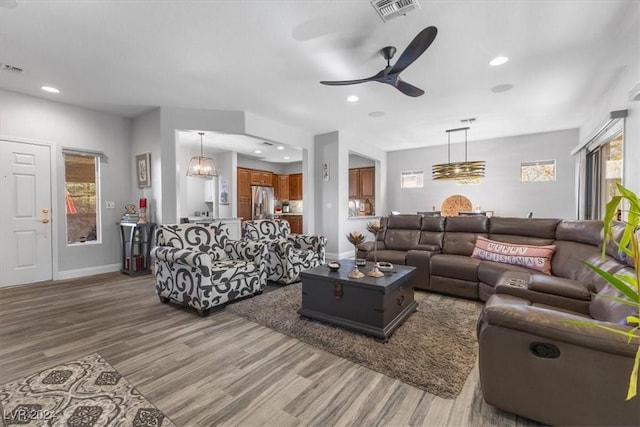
490	272
209	238
533	257
394	257
526	227
589	232
455	267
607	310
432	231
461	233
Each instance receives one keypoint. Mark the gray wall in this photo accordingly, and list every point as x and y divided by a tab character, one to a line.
359	162
250	163
501	191
145	138
63	125
293	167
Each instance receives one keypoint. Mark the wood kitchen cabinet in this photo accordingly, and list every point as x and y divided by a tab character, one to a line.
295	221
362	183
244	193
367	183
295	186
282	187
267	179
354	183
263	178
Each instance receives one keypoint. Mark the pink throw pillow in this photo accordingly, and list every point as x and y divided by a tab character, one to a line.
534	257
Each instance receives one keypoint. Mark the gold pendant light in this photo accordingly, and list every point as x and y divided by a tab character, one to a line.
202	166
467	172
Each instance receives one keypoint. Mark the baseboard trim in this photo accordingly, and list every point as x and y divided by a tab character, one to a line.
88	271
337	257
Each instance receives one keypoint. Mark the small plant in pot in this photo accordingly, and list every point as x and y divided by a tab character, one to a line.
628	285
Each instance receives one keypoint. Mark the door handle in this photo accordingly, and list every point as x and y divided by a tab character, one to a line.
44	220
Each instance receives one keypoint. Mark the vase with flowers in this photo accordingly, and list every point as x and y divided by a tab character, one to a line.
355	238
374	228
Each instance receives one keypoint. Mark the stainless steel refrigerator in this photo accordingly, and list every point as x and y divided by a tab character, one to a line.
262	202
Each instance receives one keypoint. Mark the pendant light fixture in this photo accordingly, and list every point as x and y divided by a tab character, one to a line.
202	166
463	172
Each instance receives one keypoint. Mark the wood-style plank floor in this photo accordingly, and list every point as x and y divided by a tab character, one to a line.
219	370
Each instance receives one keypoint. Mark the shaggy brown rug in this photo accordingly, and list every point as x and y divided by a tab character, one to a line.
435	349
86	392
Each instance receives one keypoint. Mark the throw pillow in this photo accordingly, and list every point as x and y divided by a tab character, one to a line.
534	257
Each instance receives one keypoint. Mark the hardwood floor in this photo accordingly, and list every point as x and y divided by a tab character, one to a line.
219	370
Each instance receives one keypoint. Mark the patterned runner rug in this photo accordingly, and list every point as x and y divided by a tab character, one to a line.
86	392
435	349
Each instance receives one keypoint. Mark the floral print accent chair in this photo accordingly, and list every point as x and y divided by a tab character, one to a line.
199	266
289	254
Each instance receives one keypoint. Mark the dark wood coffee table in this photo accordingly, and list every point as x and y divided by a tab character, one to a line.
373	306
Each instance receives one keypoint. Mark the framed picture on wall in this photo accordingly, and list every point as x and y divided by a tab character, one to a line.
143	169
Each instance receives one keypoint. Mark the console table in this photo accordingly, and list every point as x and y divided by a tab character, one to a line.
136	245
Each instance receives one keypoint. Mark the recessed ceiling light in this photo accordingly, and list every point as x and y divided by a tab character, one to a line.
286	157
50	89
257	151
498	60
352	98
502	88
280	147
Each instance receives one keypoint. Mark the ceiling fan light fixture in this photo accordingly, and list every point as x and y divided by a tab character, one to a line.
467	172
201	166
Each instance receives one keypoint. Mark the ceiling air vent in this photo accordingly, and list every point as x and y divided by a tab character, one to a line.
13	69
390	9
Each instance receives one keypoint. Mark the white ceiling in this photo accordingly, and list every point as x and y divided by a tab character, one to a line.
267	57
243	144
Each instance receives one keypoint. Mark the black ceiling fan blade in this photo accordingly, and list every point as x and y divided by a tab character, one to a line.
416	48
346	82
353	82
408	89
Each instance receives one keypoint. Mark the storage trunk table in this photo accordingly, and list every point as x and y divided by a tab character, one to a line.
373	306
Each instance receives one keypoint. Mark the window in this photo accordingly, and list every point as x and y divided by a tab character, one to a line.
82	172
539	171
411	179
604	172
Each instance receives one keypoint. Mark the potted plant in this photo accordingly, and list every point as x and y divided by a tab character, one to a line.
628	285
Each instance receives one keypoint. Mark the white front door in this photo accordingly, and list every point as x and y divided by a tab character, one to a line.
25	215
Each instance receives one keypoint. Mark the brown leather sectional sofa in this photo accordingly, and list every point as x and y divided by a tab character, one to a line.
532	362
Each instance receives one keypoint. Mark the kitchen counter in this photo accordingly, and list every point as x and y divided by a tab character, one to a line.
289	214
364	217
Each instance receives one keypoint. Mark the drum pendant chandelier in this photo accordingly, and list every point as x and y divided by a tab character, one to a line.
202	166
467	172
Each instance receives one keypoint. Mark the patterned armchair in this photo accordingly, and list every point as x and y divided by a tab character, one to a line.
288	254
197	265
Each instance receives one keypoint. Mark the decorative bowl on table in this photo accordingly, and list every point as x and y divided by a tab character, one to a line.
334	266
385	267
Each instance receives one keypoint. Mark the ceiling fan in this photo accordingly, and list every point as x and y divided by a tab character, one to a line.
391	74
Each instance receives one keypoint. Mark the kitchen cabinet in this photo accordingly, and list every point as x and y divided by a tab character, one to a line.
362	183
295	186
354	183
244	193
282	192
209	191
267	179
367	183
263	178
295	221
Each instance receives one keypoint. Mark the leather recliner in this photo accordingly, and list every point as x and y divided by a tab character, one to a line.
535	364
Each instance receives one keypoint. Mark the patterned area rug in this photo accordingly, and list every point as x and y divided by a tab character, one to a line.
86	392
435	349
